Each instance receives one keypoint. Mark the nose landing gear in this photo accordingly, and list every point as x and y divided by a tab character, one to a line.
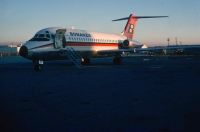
37	65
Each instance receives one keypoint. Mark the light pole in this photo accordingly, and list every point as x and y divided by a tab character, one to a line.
168	40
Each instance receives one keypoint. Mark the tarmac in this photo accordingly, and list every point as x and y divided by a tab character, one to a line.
144	94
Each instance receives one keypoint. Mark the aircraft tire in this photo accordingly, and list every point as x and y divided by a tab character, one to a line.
85	61
117	60
37	67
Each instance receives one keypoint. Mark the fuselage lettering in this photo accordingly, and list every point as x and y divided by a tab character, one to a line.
80	34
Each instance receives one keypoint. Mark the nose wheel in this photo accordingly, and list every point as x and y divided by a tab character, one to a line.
37	65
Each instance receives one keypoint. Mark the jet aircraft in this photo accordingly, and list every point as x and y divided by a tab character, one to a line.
56	43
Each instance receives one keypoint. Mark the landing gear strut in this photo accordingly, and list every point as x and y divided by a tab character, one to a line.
117	60
37	65
85	61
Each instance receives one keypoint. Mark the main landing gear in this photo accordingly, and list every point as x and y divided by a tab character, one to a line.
38	64
117	60
85	61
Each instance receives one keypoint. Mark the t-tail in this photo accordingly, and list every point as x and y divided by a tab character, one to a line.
131	23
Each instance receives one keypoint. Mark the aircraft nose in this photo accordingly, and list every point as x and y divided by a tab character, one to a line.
23	51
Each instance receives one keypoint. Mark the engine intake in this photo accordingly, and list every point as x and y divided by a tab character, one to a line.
124	45
23	51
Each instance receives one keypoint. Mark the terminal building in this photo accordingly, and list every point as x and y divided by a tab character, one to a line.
171	50
9	50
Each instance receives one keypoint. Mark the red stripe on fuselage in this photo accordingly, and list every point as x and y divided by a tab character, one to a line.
80	44
90	44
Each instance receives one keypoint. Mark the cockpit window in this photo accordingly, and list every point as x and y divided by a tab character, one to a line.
53	36
36	36
48	35
41	37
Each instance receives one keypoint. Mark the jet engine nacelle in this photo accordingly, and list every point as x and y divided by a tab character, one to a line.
127	44
124	44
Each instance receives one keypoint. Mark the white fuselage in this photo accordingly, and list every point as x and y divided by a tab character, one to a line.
80	40
92	41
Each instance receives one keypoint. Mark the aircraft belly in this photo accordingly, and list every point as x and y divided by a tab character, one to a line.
49	53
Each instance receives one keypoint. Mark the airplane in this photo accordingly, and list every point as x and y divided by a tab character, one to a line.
56	43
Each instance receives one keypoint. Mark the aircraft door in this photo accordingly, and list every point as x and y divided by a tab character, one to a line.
60	38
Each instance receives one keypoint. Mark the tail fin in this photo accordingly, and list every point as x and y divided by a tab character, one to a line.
131	23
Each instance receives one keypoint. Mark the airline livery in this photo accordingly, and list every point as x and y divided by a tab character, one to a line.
80	45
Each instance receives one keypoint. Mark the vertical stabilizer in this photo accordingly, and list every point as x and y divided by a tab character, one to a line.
130	27
131	24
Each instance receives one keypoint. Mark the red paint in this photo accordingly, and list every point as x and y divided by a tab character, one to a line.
130	27
90	44
80	44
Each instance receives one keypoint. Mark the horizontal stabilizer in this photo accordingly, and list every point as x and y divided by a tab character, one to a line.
139	17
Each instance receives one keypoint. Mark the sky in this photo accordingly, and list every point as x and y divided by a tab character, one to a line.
21	19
